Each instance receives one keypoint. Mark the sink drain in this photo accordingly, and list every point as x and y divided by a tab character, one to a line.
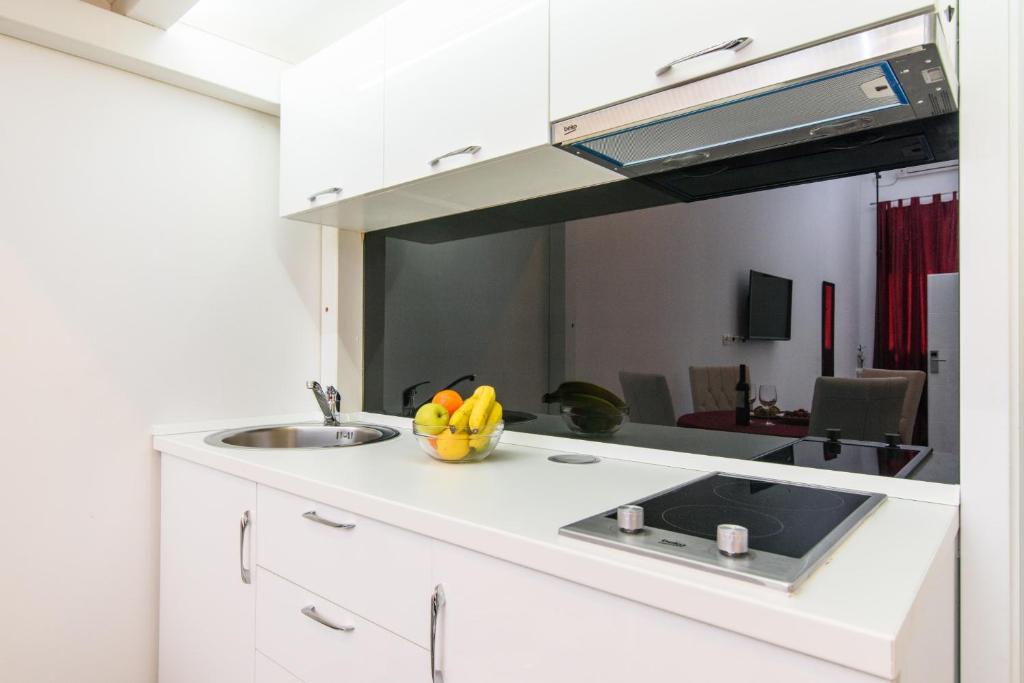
574	459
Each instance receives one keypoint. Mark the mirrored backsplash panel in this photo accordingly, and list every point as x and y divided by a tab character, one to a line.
631	327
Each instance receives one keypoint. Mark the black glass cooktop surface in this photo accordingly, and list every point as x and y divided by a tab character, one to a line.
850	456
781	518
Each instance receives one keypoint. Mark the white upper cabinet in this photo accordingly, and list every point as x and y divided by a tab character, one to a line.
466	81
606	51
332	122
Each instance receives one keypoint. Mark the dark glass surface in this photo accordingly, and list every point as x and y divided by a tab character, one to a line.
848	456
784	519
623	287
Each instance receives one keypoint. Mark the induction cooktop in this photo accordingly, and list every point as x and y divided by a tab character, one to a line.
765	531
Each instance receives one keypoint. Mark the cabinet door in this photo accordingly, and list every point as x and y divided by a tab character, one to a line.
332	122
461	75
207	602
502	623
605	51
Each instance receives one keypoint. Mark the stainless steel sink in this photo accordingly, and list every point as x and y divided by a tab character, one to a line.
302	436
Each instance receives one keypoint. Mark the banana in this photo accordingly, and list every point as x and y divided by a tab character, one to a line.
590	404
566	389
459	421
479	441
483	400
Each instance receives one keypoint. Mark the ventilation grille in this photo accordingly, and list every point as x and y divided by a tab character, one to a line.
830	98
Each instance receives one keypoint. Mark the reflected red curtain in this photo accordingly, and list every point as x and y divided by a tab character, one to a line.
914	241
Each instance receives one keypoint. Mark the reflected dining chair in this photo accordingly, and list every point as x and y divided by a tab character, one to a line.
864	409
648	398
713	387
911	401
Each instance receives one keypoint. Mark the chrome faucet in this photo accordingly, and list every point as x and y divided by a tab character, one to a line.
329	402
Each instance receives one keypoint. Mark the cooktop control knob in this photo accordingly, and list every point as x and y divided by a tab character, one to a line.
892	439
732	540
630	519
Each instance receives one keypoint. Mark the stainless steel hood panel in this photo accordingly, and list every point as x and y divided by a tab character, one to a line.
880	77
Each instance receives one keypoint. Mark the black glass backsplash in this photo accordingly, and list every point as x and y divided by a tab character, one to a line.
626	288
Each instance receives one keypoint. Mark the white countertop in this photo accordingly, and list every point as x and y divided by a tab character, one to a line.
852	610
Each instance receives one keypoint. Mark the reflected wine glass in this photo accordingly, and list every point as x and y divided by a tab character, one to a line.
769	396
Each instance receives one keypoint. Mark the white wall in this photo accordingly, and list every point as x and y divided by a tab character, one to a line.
679	273
144	278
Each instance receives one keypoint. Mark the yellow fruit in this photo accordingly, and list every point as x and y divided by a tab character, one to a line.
483	401
479	441
459	421
452	446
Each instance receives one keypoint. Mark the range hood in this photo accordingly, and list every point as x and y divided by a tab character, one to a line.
885	77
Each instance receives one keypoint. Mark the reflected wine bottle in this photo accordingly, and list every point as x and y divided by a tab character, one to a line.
743	398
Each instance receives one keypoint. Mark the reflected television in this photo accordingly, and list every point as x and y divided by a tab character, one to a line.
769	307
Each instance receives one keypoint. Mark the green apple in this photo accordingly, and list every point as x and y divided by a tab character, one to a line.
432	418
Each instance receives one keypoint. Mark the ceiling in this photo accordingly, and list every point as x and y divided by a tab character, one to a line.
290	30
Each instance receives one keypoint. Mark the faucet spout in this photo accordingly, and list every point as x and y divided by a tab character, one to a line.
329	402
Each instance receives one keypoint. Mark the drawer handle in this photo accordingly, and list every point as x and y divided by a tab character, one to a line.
310	611
330	190
437	601
244	527
736	44
472	149
312	516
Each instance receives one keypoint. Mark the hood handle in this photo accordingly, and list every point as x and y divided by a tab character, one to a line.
736	44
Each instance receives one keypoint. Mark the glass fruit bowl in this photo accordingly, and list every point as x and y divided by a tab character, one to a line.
440	443
590	421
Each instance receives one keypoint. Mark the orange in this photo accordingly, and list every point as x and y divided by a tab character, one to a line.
449	398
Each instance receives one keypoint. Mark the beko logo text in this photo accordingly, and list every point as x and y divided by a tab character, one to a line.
677	544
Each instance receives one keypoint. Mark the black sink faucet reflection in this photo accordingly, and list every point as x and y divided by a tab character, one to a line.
409	398
409	405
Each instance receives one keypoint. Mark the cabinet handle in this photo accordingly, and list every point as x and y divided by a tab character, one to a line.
313	517
310	611
329	190
736	44
437	601
472	149
243	529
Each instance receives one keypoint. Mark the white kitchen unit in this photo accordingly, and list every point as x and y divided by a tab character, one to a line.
377	564
332	122
436	108
467	81
207	598
604	51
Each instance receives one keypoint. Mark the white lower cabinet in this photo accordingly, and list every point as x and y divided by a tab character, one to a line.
320	642
502	623
207	601
336	596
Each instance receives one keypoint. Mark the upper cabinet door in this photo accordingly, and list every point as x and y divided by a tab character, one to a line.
332	122
466	81
606	51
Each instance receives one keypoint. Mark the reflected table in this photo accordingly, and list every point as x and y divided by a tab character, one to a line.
725	421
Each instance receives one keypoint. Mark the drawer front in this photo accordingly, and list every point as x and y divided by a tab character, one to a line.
327	644
269	671
380	572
